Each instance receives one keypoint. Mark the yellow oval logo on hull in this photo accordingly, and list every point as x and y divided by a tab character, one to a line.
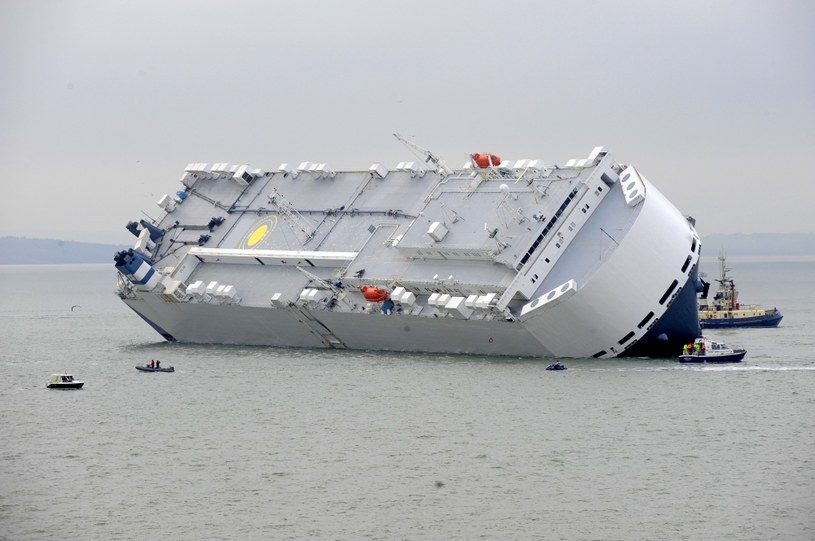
258	233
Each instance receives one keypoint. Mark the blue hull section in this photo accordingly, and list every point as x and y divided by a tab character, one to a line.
713	359
730	323
677	327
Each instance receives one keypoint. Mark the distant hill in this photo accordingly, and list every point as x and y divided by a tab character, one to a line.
25	251
22	250
760	244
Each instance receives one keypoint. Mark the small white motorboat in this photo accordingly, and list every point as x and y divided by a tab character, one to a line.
64	381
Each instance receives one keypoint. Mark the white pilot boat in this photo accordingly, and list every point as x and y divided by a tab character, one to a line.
704	350
64	380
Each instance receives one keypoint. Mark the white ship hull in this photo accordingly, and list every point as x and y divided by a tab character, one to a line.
616	275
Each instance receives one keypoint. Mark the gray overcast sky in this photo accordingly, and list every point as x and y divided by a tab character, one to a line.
103	103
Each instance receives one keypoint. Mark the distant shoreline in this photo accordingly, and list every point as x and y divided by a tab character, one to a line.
761	259
26	251
33	266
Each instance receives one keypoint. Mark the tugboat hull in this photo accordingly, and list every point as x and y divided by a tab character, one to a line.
739	322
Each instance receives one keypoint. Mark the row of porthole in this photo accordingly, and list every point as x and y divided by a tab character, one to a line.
551	295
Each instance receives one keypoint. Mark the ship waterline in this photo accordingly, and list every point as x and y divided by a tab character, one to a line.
517	258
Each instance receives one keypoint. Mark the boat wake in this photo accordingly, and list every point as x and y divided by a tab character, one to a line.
748	368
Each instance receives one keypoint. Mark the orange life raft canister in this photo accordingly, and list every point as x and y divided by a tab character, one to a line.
486	160
373	294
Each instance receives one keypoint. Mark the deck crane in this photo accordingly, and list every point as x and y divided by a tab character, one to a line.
339	292
429	157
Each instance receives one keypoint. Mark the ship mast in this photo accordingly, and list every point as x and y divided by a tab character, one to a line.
727	283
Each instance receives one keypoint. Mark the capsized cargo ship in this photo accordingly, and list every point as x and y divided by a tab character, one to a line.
510	257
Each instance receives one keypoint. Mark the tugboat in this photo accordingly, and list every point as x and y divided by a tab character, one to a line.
709	351
64	381
726	312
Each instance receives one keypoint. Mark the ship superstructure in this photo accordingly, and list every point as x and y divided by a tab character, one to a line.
497	257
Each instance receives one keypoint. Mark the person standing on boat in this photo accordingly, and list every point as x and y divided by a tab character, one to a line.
158	363
152	363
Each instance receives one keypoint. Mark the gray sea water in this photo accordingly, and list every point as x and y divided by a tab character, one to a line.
267	443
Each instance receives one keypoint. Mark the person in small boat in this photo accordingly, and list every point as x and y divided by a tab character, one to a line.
152	363
685	349
158	363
